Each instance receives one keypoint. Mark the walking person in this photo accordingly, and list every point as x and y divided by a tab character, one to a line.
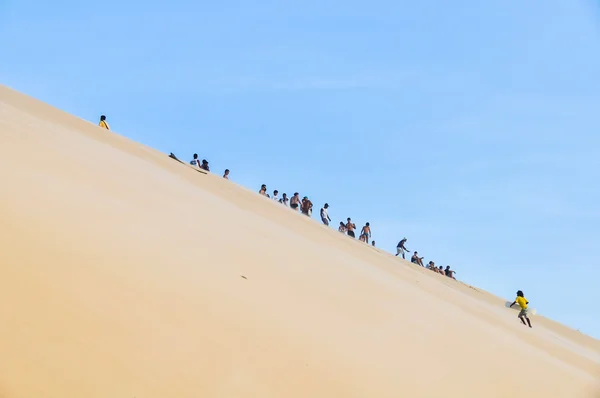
523	303
401	249
325	215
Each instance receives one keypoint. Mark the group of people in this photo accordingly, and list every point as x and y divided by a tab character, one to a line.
203	166
306	207
348	228
415	259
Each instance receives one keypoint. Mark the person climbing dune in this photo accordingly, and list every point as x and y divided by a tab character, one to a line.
401	249
325	215
523	303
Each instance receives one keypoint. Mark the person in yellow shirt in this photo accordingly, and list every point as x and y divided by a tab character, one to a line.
522	301
103	123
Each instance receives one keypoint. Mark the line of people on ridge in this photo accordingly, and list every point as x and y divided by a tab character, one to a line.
306	208
348	228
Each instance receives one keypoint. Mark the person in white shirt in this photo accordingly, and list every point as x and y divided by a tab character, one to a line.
324	214
285	200
275	196
195	162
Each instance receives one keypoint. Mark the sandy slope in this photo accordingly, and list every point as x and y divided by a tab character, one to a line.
121	277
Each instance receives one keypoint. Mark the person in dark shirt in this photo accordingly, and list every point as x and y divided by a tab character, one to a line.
401	249
449	273
415	259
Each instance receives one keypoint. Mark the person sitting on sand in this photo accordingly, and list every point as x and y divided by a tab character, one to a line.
523	303
285	200
275	195
324	214
103	123
204	165
350	227
365	233
401	249
195	162
449	273
295	201
441	270
226	174
373	243
431	265
415	259
342	227
306	207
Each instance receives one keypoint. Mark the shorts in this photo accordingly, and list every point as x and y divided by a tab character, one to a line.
523	312
325	221
399	250
351	233
294	206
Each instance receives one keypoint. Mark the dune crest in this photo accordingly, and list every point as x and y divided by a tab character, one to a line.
127	274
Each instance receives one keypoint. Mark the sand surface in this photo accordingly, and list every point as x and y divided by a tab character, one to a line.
121	276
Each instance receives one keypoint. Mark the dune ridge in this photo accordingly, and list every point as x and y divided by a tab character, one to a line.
128	274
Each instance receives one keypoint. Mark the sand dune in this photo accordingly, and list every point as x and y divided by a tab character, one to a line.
121	276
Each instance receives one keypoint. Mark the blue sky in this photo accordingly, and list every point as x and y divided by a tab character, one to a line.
469	127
